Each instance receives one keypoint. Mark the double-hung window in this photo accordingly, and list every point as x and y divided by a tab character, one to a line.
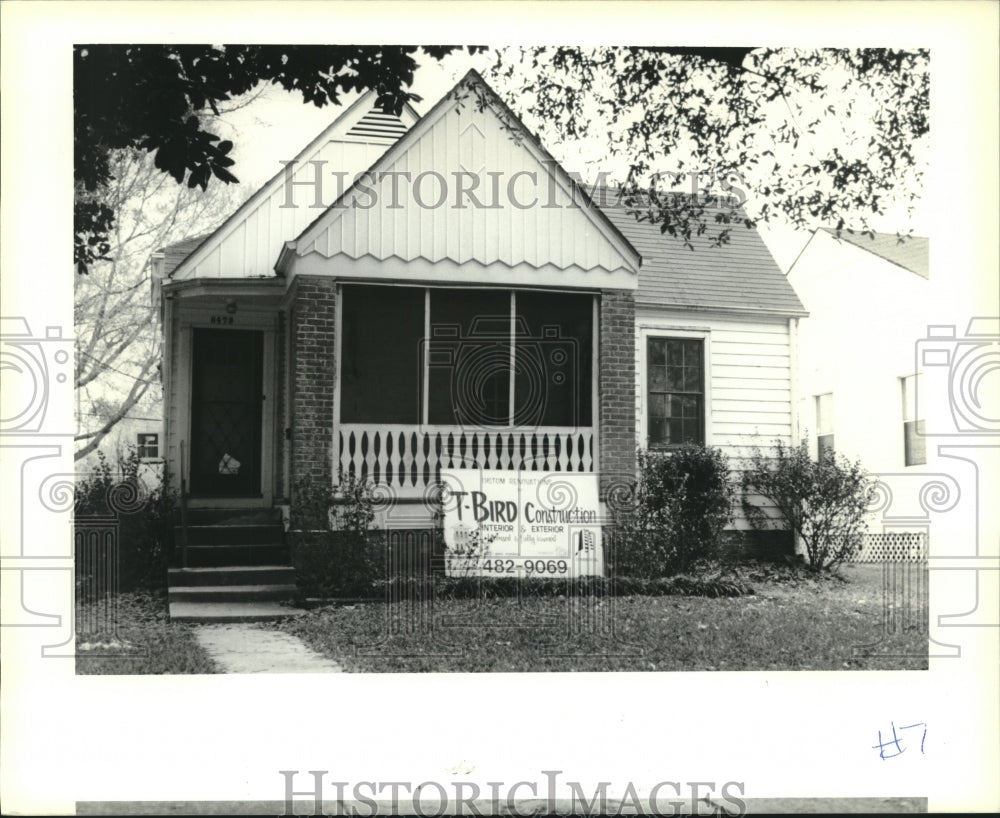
824	426
675	372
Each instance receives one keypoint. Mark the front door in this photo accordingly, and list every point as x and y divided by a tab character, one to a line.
226	413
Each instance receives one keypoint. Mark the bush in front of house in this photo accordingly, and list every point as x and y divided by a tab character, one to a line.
336	549
141	516
684	500
824	502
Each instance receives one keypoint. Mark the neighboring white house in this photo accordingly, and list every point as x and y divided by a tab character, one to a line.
868	300
295	334
140	430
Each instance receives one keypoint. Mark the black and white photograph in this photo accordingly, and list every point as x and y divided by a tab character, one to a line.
513	398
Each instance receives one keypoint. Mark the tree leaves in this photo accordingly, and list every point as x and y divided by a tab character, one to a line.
156	97
818	136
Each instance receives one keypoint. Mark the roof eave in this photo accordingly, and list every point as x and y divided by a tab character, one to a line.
249	286
775	312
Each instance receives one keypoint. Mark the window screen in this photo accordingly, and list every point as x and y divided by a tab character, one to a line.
469	358
552	381
380	354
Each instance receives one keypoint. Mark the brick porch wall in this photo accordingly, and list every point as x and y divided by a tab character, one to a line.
617	388
313	350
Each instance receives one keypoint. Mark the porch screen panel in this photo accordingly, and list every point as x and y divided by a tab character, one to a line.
469	358
553	350
380	367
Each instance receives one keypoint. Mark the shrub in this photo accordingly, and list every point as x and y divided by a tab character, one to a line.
823	502
467	554
340	553
144	518
684	501
468	587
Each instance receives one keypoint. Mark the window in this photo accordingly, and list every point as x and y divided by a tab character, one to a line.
914	442
676	388
481	343
824	426
148	445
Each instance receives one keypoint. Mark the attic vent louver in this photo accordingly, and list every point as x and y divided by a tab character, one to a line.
377	124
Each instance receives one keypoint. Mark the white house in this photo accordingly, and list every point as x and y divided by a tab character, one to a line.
868	300
417	292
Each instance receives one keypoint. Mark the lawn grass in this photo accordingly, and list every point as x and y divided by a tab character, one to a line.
792	622
133	635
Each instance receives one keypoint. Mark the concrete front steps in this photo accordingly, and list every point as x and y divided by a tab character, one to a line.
248	593
236	568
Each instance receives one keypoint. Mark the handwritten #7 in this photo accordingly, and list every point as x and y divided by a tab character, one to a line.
896	741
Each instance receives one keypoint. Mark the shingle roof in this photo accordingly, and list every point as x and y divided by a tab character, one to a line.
913	253
741	275
174	254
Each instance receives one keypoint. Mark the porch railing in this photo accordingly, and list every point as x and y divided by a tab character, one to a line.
411	456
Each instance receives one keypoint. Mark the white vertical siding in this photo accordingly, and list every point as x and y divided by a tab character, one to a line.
552	230
249	247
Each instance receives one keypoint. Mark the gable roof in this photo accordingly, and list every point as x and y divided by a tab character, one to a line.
741	275
912	253
472	83
361	110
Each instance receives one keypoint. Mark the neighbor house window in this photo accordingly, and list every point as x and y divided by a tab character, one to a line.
675	370
148	445
914	442
824	426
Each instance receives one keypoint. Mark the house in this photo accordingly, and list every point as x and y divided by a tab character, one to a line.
138	431
464	301
868	299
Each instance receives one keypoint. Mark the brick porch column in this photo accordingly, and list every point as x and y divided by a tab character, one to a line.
616	388
313	348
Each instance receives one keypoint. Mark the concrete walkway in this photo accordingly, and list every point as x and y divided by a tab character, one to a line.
247	648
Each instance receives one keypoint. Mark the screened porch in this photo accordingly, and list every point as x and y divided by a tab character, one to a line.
433	378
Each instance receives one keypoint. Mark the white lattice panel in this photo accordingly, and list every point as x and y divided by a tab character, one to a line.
893	546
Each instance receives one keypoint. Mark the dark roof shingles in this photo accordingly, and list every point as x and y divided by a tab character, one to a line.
174	254
740	275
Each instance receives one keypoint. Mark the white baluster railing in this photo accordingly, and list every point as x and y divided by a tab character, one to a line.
411	457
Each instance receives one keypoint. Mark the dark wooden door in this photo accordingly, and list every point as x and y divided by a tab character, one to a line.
226	412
